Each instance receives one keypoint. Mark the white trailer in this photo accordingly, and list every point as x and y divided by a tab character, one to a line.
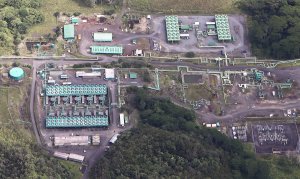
71	140
114	139
122	119
61	155
76	157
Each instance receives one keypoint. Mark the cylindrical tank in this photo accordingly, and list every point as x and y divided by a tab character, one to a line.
16	73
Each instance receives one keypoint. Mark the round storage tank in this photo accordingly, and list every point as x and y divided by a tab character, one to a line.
16	73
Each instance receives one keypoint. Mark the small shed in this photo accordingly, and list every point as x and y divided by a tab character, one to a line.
74	20
138	52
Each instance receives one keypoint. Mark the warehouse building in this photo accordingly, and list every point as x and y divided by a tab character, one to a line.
223	29
102	37
69	32
90	75
114	50
172	28
71	140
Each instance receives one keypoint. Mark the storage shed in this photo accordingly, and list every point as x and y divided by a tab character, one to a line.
102	37
115	50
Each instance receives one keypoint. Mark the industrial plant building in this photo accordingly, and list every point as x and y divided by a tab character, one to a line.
102	37
76	95
114	50
172	28
223	29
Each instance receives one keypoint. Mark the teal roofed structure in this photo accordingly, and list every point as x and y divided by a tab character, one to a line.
68	90
132	75
172	28
69	32
102	37
75	20
16	73
223	29
86	121
115	50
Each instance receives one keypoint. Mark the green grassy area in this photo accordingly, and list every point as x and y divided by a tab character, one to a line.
49	7
291	64
196	92
176	6
282	167
73	168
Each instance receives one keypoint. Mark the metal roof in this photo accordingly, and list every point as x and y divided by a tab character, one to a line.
16	72
74	20
172	27
86	121
67	90
109	73
186	27
223	29
69	31
102	37
132	75
106	50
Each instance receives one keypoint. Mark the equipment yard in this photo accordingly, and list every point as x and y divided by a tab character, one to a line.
275	137
219	34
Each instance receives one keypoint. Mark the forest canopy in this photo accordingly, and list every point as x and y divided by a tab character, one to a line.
167	143
16	16
274	27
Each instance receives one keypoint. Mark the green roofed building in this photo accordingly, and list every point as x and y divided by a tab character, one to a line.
186	27
172	28
223	29
86	121
75	20
68	90
69	32
102	37
115	50
132	75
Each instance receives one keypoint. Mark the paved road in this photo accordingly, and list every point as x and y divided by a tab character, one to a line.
32	96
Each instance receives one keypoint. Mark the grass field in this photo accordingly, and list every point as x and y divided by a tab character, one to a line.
177	6
68	6
197	92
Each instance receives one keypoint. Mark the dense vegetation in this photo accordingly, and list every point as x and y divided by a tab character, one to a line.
274	27
168	144
22	158
16	16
